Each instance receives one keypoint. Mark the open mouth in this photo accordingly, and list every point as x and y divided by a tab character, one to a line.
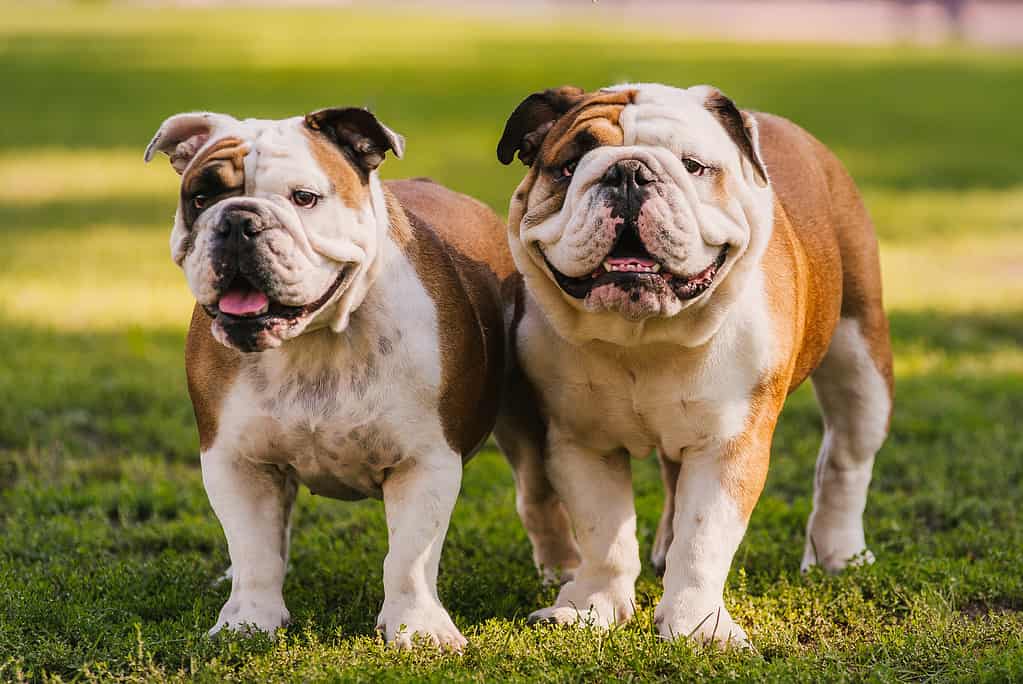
243	302
629	265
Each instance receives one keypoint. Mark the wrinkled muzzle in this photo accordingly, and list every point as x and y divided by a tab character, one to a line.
634	237
257	274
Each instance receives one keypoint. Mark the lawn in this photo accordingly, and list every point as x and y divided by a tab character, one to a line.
108	547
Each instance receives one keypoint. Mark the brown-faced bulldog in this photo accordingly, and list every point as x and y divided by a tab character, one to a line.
348	334
687	265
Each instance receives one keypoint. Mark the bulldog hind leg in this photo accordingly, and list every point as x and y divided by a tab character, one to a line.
854	389
555	552
253	503
665	528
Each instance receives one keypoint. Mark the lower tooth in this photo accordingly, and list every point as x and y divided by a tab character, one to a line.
656	268
607	267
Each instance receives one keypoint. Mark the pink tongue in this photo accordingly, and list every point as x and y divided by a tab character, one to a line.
243	302
623	261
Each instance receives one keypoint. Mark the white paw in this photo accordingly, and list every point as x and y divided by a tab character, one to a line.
578	604
711	626
400	623
835	550
248	614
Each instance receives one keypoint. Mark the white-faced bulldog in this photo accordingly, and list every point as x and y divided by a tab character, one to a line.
348	335
687	265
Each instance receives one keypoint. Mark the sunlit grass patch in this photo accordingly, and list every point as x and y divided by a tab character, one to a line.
110	174
937	218
94	278
961	272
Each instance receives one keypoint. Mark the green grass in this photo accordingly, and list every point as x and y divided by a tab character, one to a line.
108	547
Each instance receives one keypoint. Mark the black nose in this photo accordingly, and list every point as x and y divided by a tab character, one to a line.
243	221
628	173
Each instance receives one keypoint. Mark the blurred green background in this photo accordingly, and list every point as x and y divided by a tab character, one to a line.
107	545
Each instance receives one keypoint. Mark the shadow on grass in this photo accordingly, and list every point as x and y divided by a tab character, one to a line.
86	393
956	334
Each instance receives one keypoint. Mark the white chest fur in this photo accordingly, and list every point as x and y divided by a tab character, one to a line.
342	408
676	399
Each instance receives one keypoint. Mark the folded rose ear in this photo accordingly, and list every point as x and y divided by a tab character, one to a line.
181	136
528	124
741	128
359	132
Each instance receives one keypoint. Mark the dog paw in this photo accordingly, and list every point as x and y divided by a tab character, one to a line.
400	625
575	605
252	614
714	626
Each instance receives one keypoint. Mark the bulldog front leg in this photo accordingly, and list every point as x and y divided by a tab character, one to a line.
253	503
714	497
418	498
597	491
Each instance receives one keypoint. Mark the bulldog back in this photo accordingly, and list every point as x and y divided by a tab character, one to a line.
823	211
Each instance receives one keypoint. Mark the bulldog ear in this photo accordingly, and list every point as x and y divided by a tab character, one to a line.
528	124
360	132
181	136
741	128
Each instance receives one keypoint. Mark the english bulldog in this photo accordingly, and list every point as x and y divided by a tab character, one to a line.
687	265
348	334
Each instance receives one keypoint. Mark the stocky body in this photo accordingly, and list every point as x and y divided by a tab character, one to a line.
348	335
687	265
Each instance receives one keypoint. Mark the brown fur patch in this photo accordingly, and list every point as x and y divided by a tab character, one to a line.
593	122
820	264
834	234
211	368
595	117
399	229
227	156
463	223
532	118
456	246
218	173
345	179
746	458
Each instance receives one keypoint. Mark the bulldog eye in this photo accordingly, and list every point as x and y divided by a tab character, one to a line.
694	167
568	169
200	202
304	198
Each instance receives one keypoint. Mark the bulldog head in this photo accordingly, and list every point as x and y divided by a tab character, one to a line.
278	222
643	211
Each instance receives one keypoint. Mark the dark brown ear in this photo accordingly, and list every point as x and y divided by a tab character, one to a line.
742	129
528	124
359	132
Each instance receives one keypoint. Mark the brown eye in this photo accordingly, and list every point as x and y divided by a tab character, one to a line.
694	167
200	202
304	198
568	169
